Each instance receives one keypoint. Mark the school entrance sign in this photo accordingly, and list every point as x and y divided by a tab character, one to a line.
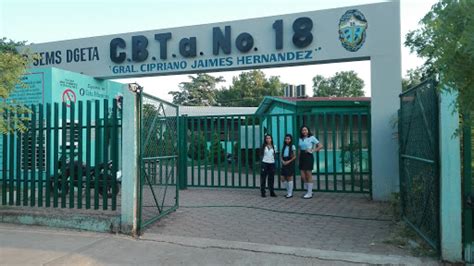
341	34
365	32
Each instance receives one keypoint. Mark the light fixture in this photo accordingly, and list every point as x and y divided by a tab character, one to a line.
135	88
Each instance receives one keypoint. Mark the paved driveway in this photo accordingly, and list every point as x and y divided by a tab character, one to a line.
329	221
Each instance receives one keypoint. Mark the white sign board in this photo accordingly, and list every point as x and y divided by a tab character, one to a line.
339	34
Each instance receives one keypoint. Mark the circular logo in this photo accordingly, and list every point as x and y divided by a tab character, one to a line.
352	30
69	96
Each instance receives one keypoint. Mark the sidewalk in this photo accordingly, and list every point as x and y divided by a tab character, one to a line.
31	245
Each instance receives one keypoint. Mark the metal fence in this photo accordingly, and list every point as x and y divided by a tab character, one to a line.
224	151
67	158
468	175
158	159
419	160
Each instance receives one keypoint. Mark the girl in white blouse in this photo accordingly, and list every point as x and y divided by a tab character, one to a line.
308	144
288	156
268	166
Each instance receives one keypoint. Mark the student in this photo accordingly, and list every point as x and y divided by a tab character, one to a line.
307	144
288	157
268	166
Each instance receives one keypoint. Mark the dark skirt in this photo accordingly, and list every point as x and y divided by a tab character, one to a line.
306	161
289	169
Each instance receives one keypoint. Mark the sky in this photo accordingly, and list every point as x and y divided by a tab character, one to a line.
40	21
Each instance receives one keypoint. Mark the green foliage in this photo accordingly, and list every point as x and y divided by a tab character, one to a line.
347	150
395	204
446	40
198	147
342	84
200	91
167	143
150	134
217	151
249	89
160	140
413	78
12	67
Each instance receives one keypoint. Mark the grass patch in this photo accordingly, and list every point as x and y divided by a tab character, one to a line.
402	235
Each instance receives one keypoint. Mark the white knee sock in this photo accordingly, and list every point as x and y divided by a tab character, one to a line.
290	188
310	188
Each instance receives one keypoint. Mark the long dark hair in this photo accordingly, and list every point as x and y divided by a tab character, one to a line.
309	131
289	145
265	143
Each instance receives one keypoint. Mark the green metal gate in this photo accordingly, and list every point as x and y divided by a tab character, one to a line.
67	158
419	160
158	194
468	190
224	151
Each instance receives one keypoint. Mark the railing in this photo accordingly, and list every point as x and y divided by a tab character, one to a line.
67	158
224	151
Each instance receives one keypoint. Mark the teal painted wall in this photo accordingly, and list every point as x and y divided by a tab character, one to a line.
279	126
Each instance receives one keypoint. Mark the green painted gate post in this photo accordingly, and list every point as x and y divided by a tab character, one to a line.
130	166
182	152
450	179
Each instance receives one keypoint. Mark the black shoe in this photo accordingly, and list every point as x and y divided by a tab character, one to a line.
273	195
288	196
263	196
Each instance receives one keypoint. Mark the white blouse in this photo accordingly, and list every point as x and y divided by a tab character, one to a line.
307	143
268	155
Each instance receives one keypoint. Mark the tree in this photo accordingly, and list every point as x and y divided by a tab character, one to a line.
249	88
350	155
342	84
12	66
413	78
150	120
198	147
200	91
446	40
159	134
216	149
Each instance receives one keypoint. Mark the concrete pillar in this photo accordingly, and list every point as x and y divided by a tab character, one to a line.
450	179
130	176
386	72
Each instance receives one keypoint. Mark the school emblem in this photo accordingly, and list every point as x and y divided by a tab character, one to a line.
352	30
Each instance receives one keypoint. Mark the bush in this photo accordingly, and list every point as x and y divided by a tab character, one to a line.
198	147
346	151
216	149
